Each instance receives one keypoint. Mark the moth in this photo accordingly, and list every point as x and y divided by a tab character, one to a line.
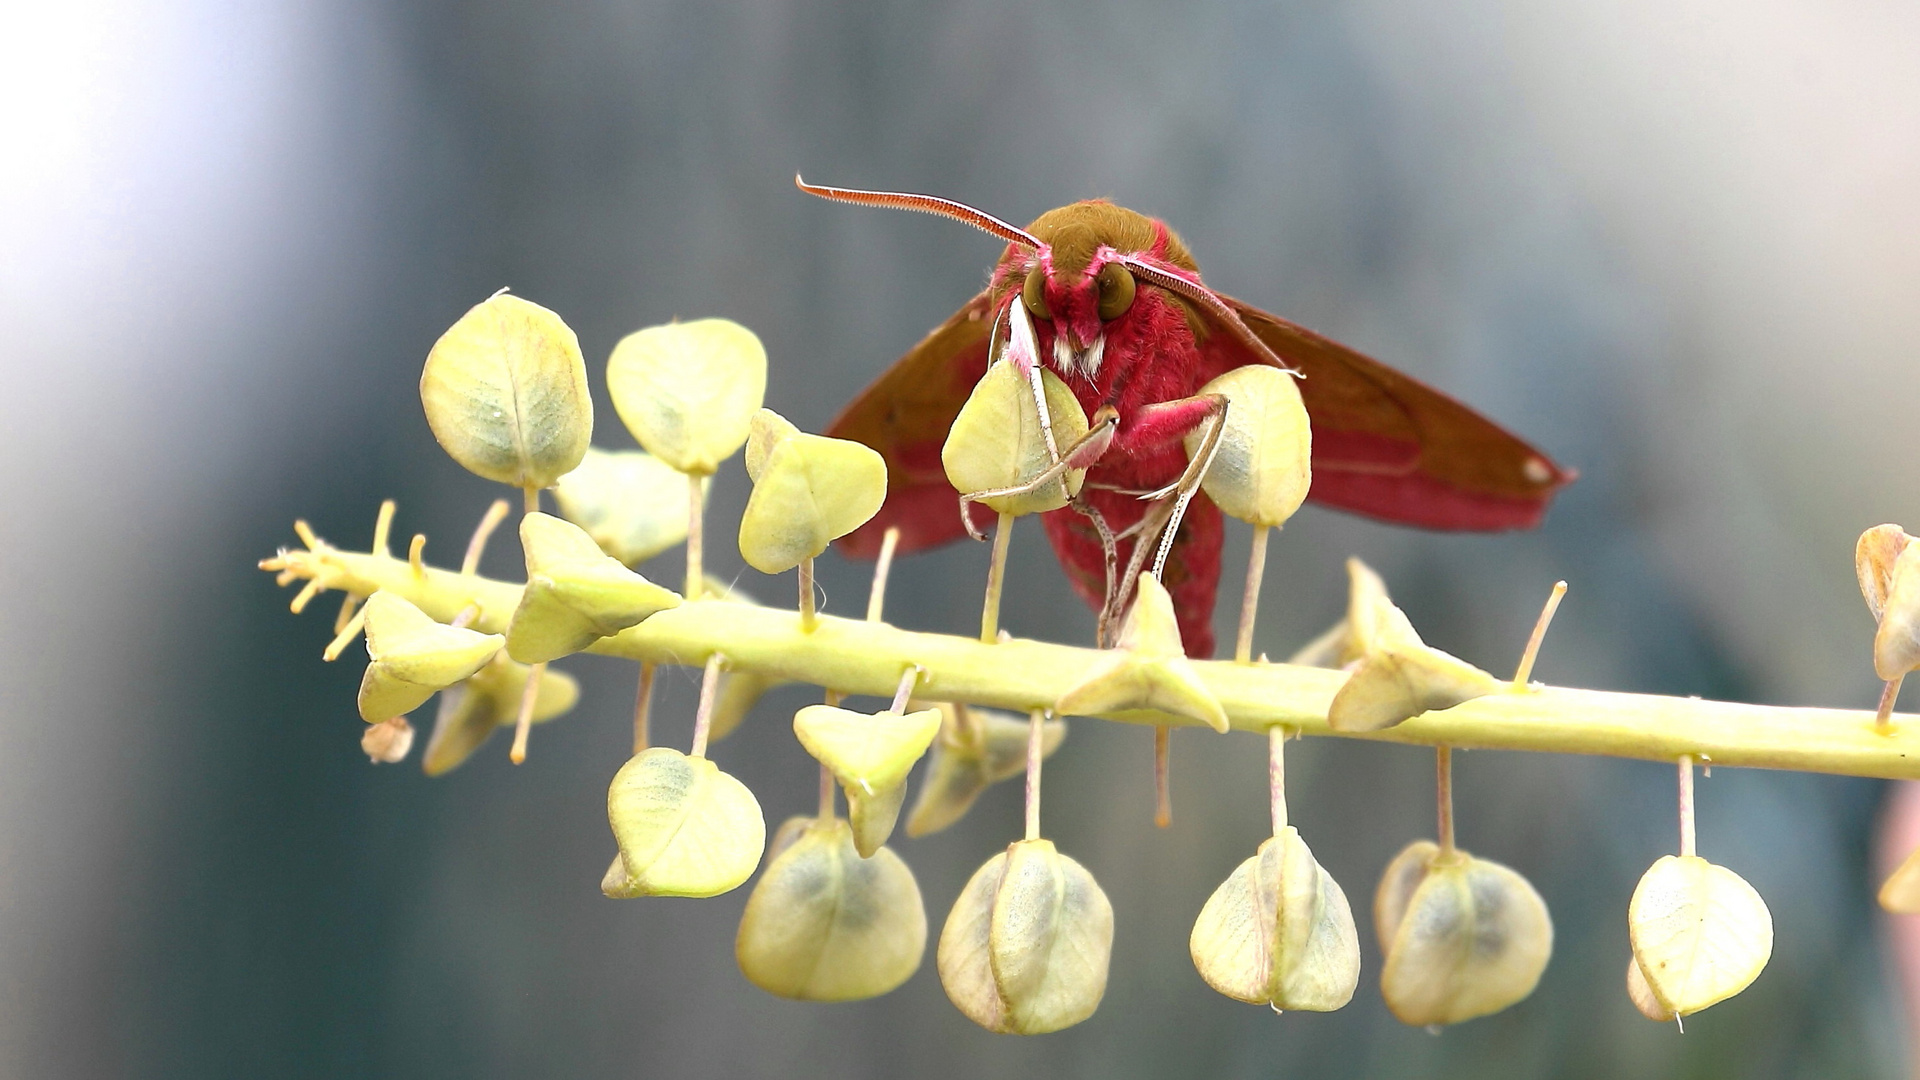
1116	307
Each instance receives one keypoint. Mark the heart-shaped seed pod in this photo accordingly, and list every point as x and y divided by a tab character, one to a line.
470	711
688	390
767	430
1279	932
1700	933
414	657
505	392
1642	995
870	755
1874	557
976	748
996	442
576	594
1464	937
1399	676
631	503
1147	668
825	923
809	491
684	827
1025	949
1896	646
1262	467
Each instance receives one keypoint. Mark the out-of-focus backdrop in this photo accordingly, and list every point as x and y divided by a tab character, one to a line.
1677	243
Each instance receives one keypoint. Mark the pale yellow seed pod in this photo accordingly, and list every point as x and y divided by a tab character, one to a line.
996	443
1147	668
576	594
1399	676
414	657
684	827
1025	949
471	711
767	430
826	924
1900	893
1700	933
505	392
1464	937
687	391
810	491
631	503
970	756
1896	647
1642	995
1279	932
1873	560
1263	465
870	755
387	742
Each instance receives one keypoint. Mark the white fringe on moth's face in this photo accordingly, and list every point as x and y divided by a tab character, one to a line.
1084	362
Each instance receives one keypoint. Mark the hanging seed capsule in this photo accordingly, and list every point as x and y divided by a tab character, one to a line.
825	923
631	503
1464	937
1874	557
414	657
969	756
1700	933
576	594
870	755
1642	995
505	392
1262	467
1896	646
1025	949
995	441
684	827
1399	677
1147	668
387	742
471	711
688	390
1279	932
809	490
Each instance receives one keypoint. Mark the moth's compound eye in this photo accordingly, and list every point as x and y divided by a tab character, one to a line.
1034	292
1116	291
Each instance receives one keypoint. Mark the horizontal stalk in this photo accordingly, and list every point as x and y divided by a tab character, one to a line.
860	657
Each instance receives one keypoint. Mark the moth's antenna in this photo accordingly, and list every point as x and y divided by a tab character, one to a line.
925	204
1206	298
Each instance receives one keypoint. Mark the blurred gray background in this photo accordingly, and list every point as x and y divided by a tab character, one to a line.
1675	242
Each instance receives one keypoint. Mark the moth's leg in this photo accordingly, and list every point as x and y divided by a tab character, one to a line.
1083	453
1161	423
1109	547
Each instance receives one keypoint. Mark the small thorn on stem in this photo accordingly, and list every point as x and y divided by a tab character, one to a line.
877	598
305	596
696	512
996	578
904	693
703	719
1686	805
483	532
306	534
415	553
643	708
1036	723
1443	784
1250	600
1163	776
347	608
383	528
355	623
1277	775
808	616
1883	719
1532	651
524	722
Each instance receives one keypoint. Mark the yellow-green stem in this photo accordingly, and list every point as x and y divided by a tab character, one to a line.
1686	805
807	613
523	723
1443	793
1277	776
696	515
1162	776
1036	725
703	719
643	709
996	577
1250	599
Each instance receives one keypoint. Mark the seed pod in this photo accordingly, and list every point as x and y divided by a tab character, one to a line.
995	441
826	924
1896	646
1900	894
1147	668
414	657
870	756
1700	933
688	390
1279	932
388	741
767	430
576	594
1873	561
1262	466
470	711
970	756
1464	937
1642	996
505	392
810	489
684	827
1346	641
631	503
1400	677
1025	948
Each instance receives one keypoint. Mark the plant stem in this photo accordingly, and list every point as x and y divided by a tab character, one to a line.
696	513
996	576
882	567
1162	776
1250	600
1527	656
904	692
524	722
383	526
1883	719
643	709
1686	804
807	614
1443	785
826	794
477	543
703	718
1277	775
1036	722
530	500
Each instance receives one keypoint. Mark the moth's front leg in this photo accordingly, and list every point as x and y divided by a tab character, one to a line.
1154	426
